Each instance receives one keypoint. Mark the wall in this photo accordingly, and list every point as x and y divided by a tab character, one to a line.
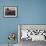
29	12
7	25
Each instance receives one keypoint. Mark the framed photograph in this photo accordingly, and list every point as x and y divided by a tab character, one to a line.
10	11
33	32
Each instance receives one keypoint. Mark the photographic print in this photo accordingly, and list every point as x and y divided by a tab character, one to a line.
10	11
32	32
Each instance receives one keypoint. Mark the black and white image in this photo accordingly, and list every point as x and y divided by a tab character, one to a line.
33	32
